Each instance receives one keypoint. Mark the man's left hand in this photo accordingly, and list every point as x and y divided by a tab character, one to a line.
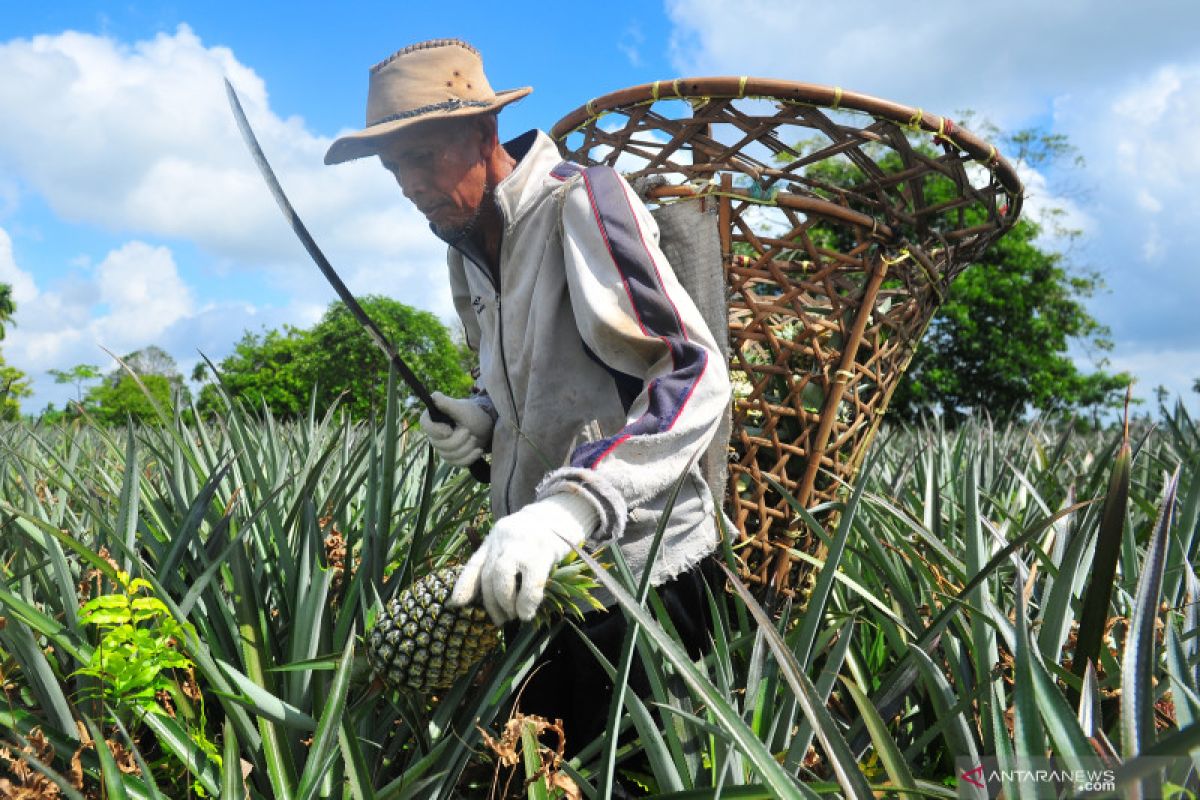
509	570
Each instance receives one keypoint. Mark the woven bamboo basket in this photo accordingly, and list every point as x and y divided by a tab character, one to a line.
842	220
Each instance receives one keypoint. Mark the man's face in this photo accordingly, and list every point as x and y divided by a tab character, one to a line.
440	167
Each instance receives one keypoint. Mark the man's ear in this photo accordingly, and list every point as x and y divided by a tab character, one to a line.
489	138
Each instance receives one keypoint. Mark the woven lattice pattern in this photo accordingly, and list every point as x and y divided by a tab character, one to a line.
843	219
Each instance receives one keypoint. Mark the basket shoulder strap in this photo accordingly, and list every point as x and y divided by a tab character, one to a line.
689	237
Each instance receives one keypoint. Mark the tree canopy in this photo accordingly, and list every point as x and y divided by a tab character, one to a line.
152	360
1000	342
14	384
77	375
122	396
116	402
336	359
8	307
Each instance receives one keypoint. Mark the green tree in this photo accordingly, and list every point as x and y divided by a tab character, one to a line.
115	403
336	359
77	375
120	396
8	306
265	369
152	360
14	385
1000	341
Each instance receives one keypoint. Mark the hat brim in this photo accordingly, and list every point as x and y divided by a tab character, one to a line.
369	141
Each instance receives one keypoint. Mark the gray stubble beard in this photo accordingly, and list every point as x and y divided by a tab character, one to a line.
454	236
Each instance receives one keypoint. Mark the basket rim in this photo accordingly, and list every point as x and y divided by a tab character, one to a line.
813	94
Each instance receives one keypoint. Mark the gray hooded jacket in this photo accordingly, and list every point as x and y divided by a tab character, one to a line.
600	372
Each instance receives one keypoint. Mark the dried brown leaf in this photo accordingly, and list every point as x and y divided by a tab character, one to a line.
124	758
508	751
31	784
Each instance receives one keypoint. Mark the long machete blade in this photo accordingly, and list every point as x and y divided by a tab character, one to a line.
323	264
479	469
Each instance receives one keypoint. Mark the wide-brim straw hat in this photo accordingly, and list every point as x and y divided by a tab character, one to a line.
437	79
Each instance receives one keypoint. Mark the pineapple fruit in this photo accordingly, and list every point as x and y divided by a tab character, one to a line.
418	642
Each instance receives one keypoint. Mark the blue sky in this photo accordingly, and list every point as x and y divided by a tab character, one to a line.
130	214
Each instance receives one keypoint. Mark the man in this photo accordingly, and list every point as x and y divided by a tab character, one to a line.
599	383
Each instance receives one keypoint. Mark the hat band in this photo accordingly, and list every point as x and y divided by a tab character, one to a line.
453	104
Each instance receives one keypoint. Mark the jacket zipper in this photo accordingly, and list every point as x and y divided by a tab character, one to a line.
512	397
512	400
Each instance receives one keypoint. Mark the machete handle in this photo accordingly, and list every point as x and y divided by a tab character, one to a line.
480	470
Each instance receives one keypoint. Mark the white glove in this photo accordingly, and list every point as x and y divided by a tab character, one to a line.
510	568
465	442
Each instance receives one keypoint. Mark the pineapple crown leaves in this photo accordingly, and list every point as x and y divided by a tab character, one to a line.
568	592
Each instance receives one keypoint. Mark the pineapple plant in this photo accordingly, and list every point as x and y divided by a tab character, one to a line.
982	537
419	642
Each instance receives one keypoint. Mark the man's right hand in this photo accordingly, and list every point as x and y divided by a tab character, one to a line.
508	573
463	443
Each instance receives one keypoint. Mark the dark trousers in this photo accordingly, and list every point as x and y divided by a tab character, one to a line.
569	684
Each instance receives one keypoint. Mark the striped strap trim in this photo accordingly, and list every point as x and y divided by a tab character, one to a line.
656	314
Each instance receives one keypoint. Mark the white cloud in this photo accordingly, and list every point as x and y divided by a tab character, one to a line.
1054	211
1138	136
1144	136
10	197
143	292
1121	80
943	56
1152	245
140	139
1148	202
630	44
1174	368
127	300
134	296
22	284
